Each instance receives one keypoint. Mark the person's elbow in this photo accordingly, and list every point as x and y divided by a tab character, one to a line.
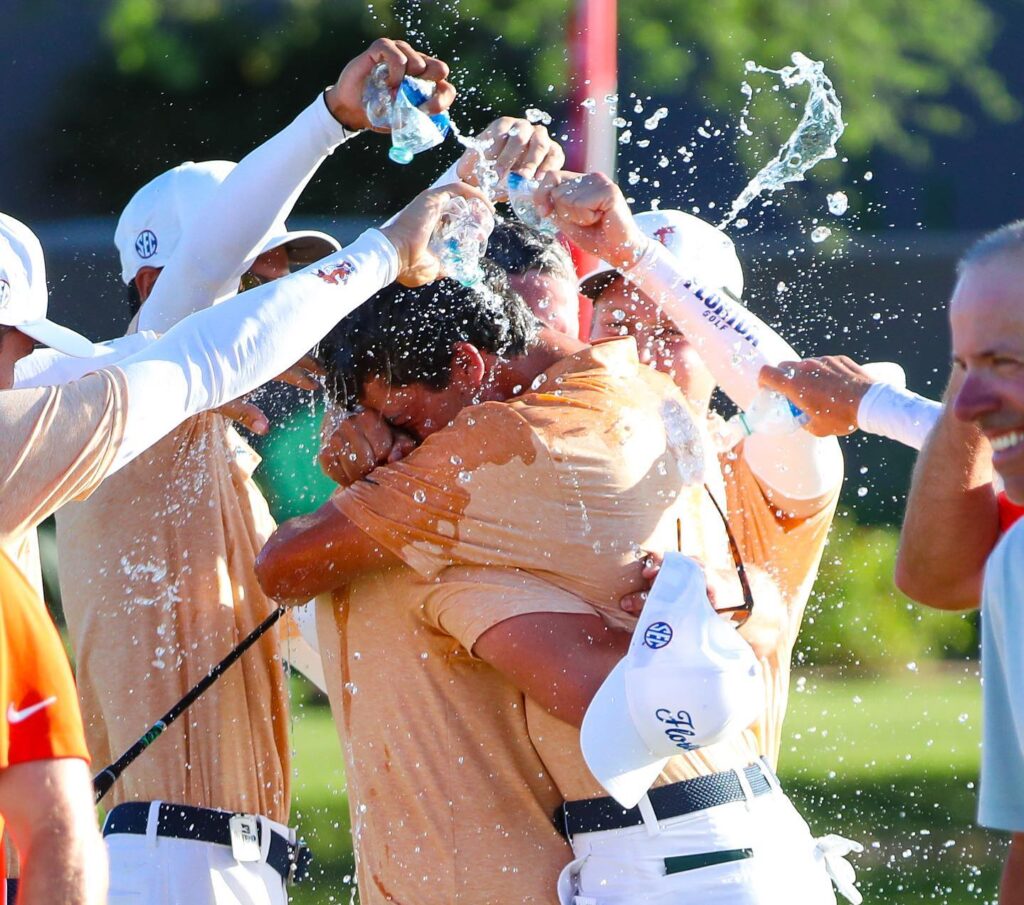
282	571
933	587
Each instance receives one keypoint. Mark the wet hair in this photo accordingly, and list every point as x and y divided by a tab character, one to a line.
1005	240
407	336
519	249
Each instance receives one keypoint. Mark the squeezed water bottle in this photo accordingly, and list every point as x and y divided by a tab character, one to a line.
520	197
412	130
459	240
772	414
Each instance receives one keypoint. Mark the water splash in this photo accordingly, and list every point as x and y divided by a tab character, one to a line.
814	138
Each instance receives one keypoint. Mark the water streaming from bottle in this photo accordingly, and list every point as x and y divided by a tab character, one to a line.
813	140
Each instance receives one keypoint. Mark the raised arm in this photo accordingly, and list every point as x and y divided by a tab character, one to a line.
48	367
951	523
221	244
797	470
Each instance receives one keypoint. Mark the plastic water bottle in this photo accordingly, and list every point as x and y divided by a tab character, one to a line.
520	197
772	414
460	239
412	130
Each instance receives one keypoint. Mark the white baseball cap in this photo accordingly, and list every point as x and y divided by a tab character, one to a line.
151	224
23	295
688	680
707	251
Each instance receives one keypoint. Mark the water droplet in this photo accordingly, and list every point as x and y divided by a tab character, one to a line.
868	176
419	496
838	203
652	121
535	115
820	234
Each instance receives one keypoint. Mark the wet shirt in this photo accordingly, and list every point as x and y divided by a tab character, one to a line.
39	718
569	483
56	444
449	800
1001	799
158	585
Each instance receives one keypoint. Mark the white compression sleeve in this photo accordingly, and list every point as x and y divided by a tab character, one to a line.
735	344
49	368
221	244
898	414
228	350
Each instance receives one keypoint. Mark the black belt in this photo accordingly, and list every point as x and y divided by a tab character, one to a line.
182	821
592	815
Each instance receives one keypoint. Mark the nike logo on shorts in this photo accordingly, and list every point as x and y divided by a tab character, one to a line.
18	716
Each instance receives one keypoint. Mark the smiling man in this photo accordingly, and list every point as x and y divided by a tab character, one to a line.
987	322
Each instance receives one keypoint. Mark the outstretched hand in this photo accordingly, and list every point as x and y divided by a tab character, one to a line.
345	98
592	212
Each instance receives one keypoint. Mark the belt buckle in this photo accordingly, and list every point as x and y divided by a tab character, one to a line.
300	856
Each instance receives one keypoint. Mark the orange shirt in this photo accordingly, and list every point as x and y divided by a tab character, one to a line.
39	717
567	485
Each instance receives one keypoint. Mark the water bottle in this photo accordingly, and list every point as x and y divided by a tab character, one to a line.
412	130
520	197
772	414
459	240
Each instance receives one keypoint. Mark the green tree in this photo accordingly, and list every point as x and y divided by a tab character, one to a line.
904	69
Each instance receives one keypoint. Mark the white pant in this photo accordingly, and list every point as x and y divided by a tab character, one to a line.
622	867
157	870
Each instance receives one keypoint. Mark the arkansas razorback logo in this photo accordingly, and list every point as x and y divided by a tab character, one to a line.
336	274
663	233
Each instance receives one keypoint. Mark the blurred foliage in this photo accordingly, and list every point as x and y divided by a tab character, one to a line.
223	75
857	618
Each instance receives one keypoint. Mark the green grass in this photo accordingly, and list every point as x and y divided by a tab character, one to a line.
891	761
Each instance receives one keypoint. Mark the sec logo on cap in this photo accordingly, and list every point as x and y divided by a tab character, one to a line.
5	294
145	244
657	635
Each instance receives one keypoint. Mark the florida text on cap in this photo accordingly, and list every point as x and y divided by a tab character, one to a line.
688	680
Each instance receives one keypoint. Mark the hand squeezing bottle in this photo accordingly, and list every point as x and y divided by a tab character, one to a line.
412	130
771	413
460	239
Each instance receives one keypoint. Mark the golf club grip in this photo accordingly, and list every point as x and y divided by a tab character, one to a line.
103	780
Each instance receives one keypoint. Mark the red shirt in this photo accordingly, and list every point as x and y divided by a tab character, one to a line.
39	716
1008	512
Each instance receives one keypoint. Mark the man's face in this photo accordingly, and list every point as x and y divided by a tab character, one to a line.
620	310
417	409
987	321
14	345
553	299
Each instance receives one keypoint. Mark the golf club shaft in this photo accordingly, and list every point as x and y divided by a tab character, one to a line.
106	778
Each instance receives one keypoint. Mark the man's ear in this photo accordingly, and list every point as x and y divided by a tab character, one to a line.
467	367
144	281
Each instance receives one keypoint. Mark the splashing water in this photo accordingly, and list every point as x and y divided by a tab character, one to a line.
486	174
814	138
838	203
